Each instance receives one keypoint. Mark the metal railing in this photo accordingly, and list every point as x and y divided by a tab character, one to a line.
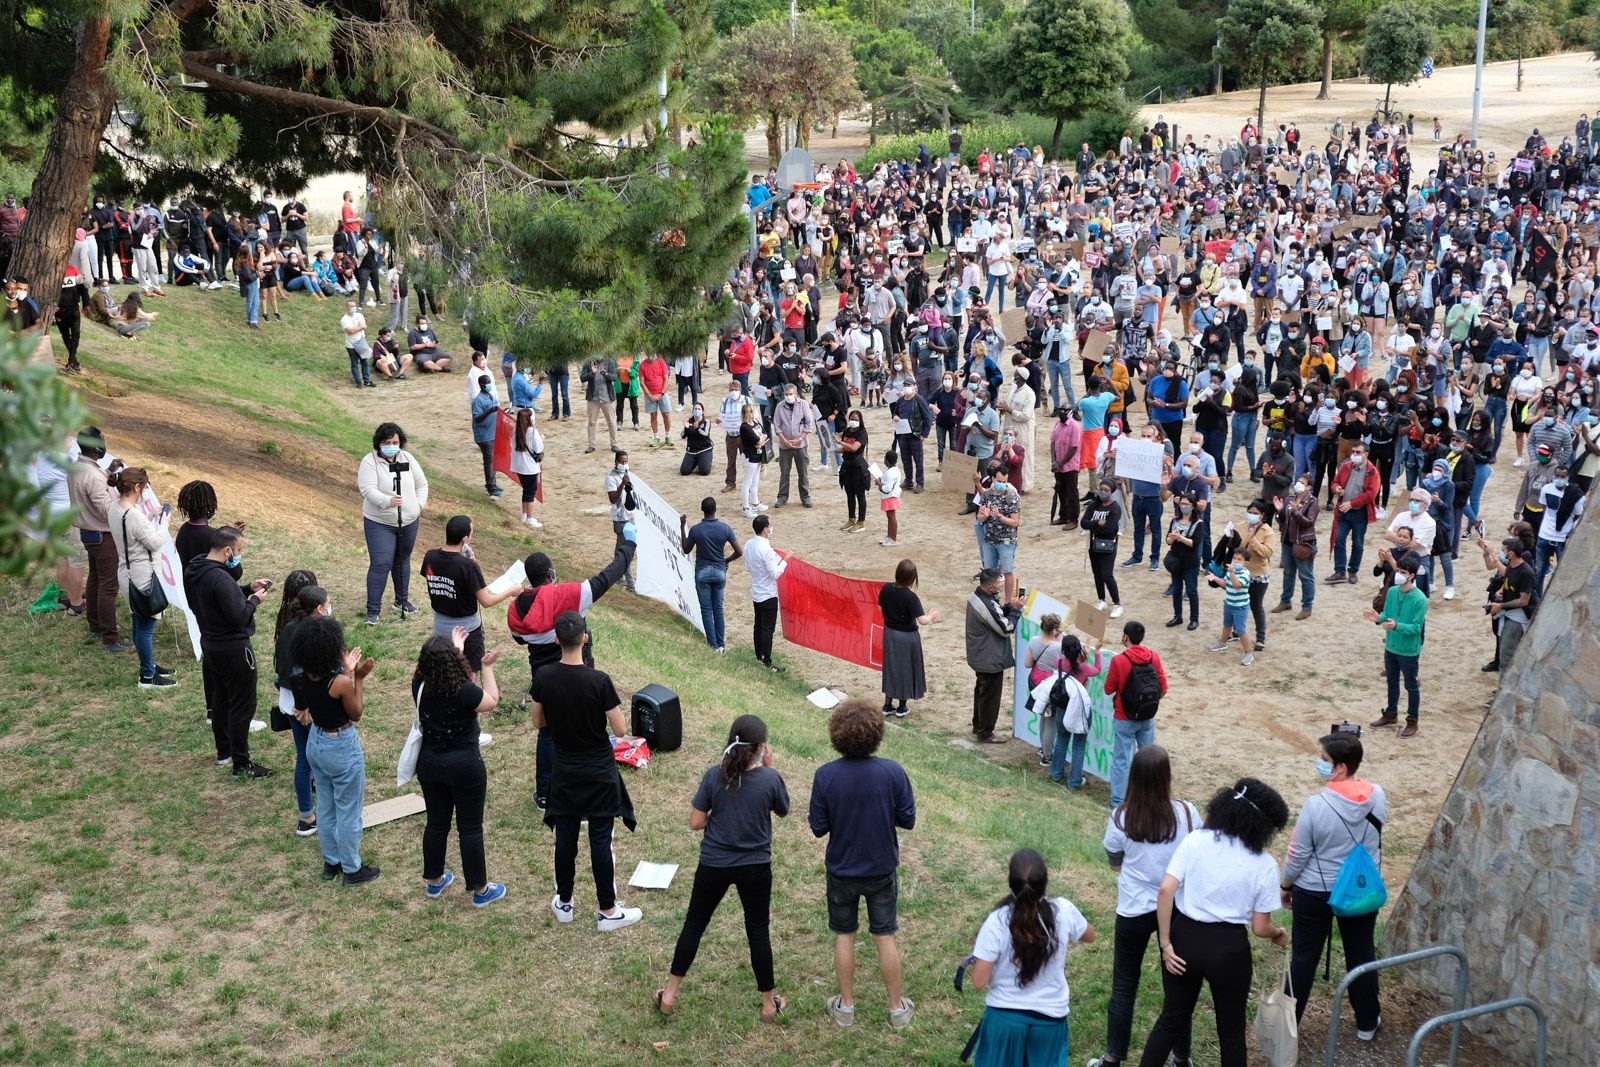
1462	983
1455	1019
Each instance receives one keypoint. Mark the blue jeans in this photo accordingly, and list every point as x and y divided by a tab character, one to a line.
1297	569
1480	478
560	401
1449	567
1244	433
360	366
1002	282
1186	584
1303	443
304	283
1539	348
388	554
709	583
1545	554
1147	512
252	302
302	769
1060	372
1079	744
144	642
1495	408
1353	522
1127	737
340	769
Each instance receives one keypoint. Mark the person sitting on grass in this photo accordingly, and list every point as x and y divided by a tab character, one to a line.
734	806
191	268
130	319
387	357
423	344
858	802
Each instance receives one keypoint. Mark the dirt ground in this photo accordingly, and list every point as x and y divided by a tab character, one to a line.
1555	90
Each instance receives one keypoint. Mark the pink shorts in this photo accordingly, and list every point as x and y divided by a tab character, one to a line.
890	503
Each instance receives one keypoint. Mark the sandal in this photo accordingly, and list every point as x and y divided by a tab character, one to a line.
660	1002
778	1004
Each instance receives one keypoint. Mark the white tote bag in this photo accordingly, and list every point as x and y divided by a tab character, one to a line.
1277	1031
406	769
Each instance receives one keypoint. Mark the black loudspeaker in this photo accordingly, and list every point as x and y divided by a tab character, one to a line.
658	718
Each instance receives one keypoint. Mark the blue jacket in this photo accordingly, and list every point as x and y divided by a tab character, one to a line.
523	392
485	418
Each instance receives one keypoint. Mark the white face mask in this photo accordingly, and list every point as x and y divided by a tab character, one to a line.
855	424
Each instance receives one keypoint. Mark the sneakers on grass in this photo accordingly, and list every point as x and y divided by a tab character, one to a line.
900	1017
562	909
436	889
839	1013
491	893
622	917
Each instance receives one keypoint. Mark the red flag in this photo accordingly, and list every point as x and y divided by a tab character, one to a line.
831	614
505	431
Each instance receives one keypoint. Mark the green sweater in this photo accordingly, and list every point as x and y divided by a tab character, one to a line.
1408	610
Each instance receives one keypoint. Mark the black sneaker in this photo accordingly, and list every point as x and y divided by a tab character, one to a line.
157	681
330	871
252	770
366	874
305	828
406	609
165	672
540	802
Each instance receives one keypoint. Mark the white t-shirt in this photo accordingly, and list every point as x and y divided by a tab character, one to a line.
1144	864
1221	881
523	462
1047	994
1526	386
351	321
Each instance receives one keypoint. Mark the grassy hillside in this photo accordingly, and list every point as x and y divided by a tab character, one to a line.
159	912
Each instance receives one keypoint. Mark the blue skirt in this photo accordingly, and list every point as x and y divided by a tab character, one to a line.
1008	1038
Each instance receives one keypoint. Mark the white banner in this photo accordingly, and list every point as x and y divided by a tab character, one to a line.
665	571
1025	722
169	571
1140	460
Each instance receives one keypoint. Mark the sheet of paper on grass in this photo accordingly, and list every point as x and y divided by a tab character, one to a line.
653	875
826	699
515	575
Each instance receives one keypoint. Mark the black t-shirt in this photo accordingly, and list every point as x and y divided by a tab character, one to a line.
1518	581
453	583
327	711
270	213
901	607
106	219
575	700
448	722
294	224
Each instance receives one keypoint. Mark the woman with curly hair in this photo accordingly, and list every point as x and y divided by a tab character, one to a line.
1020	958
1220	886
450	765
734	806
303	598
329	694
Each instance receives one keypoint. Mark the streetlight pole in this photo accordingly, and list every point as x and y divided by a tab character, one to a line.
972	18
1477	76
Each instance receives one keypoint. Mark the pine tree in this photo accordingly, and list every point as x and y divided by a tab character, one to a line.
487	124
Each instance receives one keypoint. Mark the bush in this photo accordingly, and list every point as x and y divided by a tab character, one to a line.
1101	129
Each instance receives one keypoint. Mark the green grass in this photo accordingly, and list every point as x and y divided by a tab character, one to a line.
158	912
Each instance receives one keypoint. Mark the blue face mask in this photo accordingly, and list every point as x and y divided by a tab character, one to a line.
1212	365
233	562
1415	506
1548	421
1252	518
1330	403
1504	557
389	451
1324	768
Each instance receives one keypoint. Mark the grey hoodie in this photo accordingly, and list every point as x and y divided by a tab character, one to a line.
1331	823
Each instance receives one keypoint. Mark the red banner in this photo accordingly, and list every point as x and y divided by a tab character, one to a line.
1219	249
831	614
505	431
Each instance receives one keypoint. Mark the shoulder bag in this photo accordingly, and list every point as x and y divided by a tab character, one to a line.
150	601
406	769
1277	1030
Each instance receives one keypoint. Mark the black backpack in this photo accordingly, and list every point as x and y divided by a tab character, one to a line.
1141	693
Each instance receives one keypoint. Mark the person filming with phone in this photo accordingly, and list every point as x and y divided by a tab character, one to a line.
394	492
226	614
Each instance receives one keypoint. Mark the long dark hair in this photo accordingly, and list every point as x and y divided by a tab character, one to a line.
1072	654
1146	813
519	442
292	586
745	738
1033	920
318	647
441	668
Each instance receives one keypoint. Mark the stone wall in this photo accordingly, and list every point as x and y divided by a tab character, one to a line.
1509	869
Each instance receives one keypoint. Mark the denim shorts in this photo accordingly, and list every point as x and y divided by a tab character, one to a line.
1236	618
663	405
1000	557
844	904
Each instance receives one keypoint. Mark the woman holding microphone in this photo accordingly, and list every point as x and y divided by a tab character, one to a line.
394	492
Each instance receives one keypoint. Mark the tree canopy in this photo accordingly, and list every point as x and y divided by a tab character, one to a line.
1064	57
1398	40
1264	39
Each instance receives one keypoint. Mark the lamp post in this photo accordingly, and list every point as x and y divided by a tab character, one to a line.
1477	75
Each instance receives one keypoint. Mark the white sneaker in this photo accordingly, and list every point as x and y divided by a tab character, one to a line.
225	762
624	917
372	303
1449	592
1382	513
761	507
535	523
888	542
256	726
1116	611
1249	658
485	739
1099	605
563	912
900	1018
1368	1035
1517	462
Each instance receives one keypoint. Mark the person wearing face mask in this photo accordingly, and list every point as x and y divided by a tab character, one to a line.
698	451
1526	389
1404	614
225	613
793	426
947	404
1354	492
1346	814
913	420
1019	422
1168	397
854	475
423	344
1563	502
1186	536
394	493
1299	521
1102	522
138	539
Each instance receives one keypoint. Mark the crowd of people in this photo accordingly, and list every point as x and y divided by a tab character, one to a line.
1343	316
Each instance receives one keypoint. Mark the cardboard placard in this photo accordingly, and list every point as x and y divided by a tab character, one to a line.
1076	244
1089	620
1171	246
958	472
1094	346
1293	316
382	811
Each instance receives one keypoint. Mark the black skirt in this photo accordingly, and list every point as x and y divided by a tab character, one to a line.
588	785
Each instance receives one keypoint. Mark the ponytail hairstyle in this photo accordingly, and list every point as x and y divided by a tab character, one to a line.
1071	652
1033	918
745	738
292	585
130	480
